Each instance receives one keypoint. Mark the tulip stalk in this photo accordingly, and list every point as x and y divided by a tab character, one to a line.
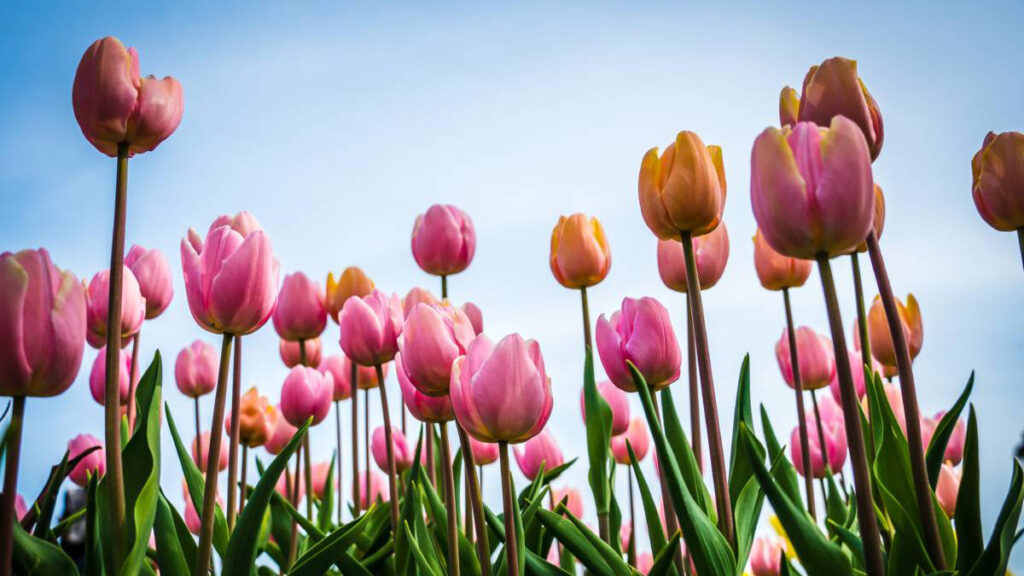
474	502
236	402
10	495
431	467
337	421
366	446
449	491
873	560
199	435
245	473
131	381
798	389
862	316
355	442
691	360
511	546
293	550
602	517
918	468
392	481
631	552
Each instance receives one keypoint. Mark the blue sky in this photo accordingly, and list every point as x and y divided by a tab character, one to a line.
337	124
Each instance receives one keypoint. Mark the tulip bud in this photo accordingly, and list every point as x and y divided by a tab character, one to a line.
641	333
196	369
541	449
378	490
97	298
306	394
484	453
644	562
289	351
443	240
789	107
857	371
94	464
300	312
281	432
370	327
617	401
573	499
711	253
947	489
766	556
834	432
352	282
998	180
476	317
637	436
201	453
882	347
815	355
775	271
424	408
955	446
153	273
834	89
683	190
340	369
580	256
379	447
98	376
432	338
417	296
318	474
255	419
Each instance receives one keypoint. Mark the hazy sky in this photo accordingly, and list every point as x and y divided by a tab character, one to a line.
337	125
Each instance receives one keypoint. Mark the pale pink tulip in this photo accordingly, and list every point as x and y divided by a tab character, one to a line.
638	439
379	447
97	298
98	376
834	432
153	273
710	253
370	327
815	355
202	457
424	408
432	338
574	500
195	369
766	556
94	464
541	449
617	400
947	489
417	296
300	313
476	317
289	352
306	394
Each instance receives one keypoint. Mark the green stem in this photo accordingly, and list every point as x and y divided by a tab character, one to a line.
862	316
308	462
296	480
134	367
431	463
355	441
392	480
474	485
511	546
10	495
245	473
337	418
236	402
798	389
449	491
691	360
631	552
587	344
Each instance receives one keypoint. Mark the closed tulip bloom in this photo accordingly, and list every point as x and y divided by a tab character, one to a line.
318	474
857	371
98	376
306	394
766	556
42	325
289	351
573	498
379	447
432	338
835	440
340	369
947	489
417	296
998	180
832	89
370	327
256	419
881	339
814	352
894	397
97	298
644	562
192	521
153	274
113	103
955	447
231	277
282	486
641	333
200	457
878	223
501	392
617	400
476	317
541	449
789	106
378	489
775	271
580	256
812	189
443	240
484	453
710	251
352	282
94	464
424	408
638	438
300	312
281	432
196	368
683	190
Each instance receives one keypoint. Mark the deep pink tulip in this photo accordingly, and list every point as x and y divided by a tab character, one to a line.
300	312
833	89
432	338
379	448
638	439
574	500
20	509
370	327
476	317
113	103
998	187
42	325
98	376
417	296
443	240
857	370
281	433
97	297
835	439
484	453
318	474
642	333
196	369
814	352
306	393
340	369
501	392
947	489
541	449
153	274
231	277
424	408
617	400
378	489
812	189
289	352
766	556
710	251
92	465
201	457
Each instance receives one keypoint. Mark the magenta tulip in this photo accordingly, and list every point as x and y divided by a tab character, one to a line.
97	297
476	317
98	376
638	439
300	312
641	333
417	296
834	432
541	449
766	556
94	464
433	409
379	448
443	240
432	338
306	394
814	352
281	433
289	352
370	327
195	369
573	498
710	251
617	400
484	453
153	274
201	453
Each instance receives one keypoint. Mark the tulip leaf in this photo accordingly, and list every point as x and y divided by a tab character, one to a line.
993	560
573	539
417	554
968	502
785	474
599	434
319	558
41	513
535	565
326	506
739	467
33	556
747	513
943	431
468	560
687	460
663	560
655	531
93	542
611	556
170	553
313	532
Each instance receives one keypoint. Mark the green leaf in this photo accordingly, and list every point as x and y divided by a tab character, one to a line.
747	513
785	474
93	542
943	431
573	539
169	549
655	531
663	560
685	458
318	559
599	434
611	557
968	502
993	560
33	556
468	560
739	468
326	510
43	507
417	554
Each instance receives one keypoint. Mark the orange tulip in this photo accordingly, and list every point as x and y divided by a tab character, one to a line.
683	190
580	256
352	282
881	341
775	271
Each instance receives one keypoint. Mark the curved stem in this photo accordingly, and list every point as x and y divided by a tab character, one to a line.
691	358
866	518
474	502
337	418
355	441
918	468
10	495
392	481
511	546
132	380
236	402
449	491
798	390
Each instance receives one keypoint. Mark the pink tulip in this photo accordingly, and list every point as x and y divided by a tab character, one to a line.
776	271
113	103
835	439
638	439
98	376
443	240
815	355
812	189
42	325
153	273
476	317
379	447
97	297
501	392
644	562
955	447
541	449
281	433
432	338
370	327
340	369
424	408
998	183
710	251
766	556
282	486
574	500
202	457
192	521
617	400
484	453
92	465
306	394
231	277
300	312
947	489
832	89
378	489
417	296
642	333
895	398
289	352
20	509
196	369
857	369
318	474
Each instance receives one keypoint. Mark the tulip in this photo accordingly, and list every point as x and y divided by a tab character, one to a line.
766	556
638	438
501	392
641	333
947	489
320	471
340	369
955	447
644	562
291	356
895	399
859	383
881	339
573	498
195	369
231	277
153	274
625	533
98	376
683	190
580	256
255	419
476	317
432	338
370	327
114	104
201	457
775	271
19	506
306	394
192	521
281	432
832	89
431	409
998	180
94	464
133	307
484	453
812	189
878	222
711	252
377	491
834	432
379	447
417	296
789	106
815	355
300	313
542	449
617	400
443	240
352	282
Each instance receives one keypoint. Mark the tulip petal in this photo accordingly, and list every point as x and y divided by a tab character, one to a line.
779	195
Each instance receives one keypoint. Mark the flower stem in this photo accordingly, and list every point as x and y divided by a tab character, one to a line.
236	401
511	546
213	455
392	482
866	518
474	484
366	447
308	462
631	552
695	433
862	317
798	390
337	419
587	344
718	473
918	469
821	432
449	491
294	547
132	380
431	464
10	495
355	441
199	436
245	473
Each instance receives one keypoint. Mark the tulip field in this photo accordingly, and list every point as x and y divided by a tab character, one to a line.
683	470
